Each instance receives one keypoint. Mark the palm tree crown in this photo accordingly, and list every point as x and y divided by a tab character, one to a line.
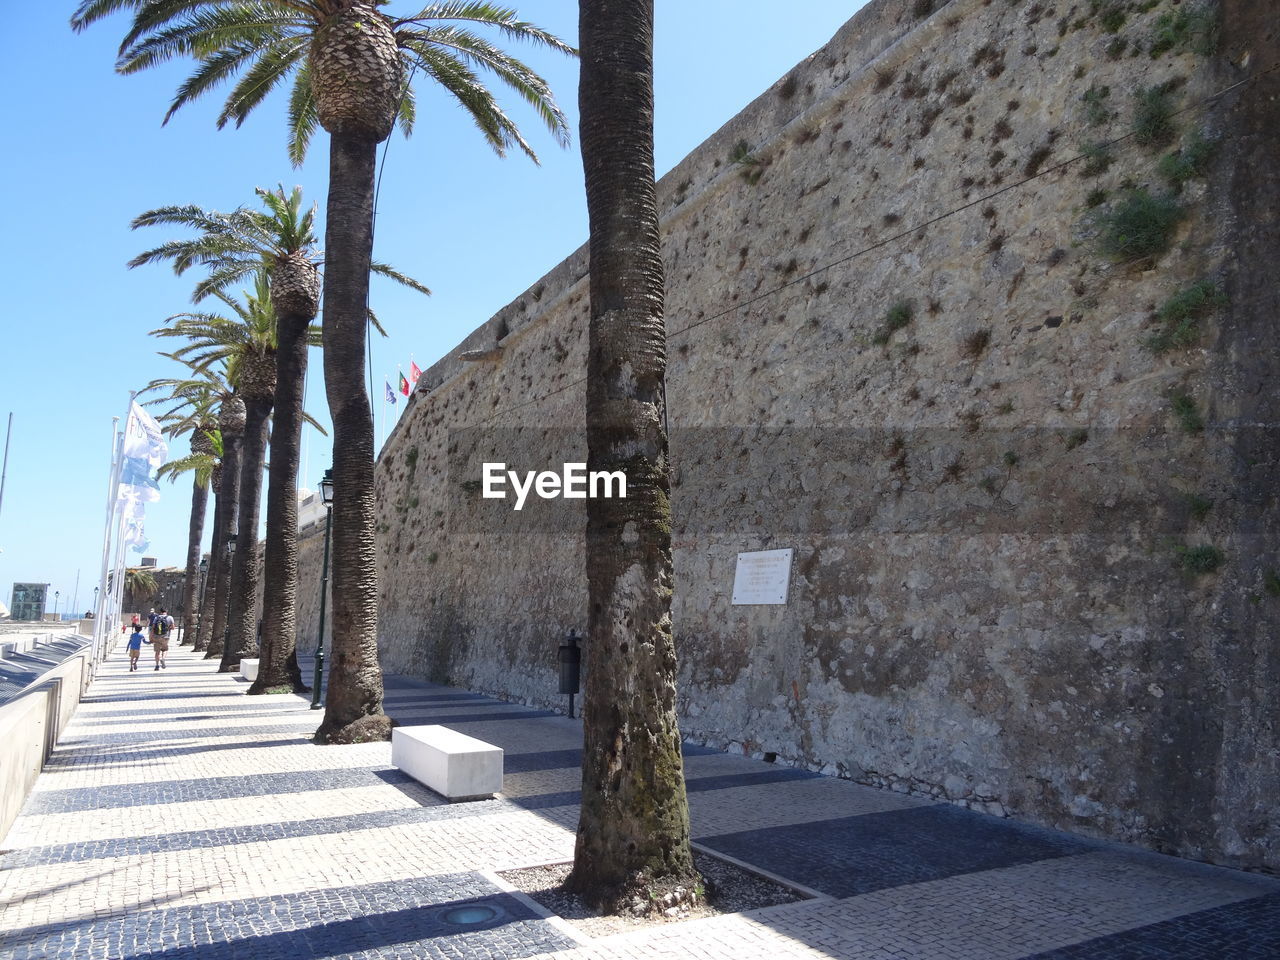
263	42
234	246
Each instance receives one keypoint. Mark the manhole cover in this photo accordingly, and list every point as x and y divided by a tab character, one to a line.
470	915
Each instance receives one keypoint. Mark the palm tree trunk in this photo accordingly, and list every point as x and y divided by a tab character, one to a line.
242	615
278	656
199	506
230	497
353	703
633	830
205	631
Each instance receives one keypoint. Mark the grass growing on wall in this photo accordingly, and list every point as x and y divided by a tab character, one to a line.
1153	109
897	317
1186	412
1188	163
1138	227
1204	558
1192	26
1181	314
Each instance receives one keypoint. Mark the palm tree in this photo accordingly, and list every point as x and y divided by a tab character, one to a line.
200	464
233	246
231	424
193	412
138	583
198	400
633	830
352	67
248	341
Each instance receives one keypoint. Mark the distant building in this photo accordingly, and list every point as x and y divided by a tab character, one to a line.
28	600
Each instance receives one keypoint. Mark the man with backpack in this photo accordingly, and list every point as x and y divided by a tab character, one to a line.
161	628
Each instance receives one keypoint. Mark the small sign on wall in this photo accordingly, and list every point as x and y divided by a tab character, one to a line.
762	576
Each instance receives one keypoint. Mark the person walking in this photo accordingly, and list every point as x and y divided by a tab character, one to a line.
135	647
161	629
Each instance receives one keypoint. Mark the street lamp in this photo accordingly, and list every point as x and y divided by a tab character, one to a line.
95	601
231	556
326	497
204	574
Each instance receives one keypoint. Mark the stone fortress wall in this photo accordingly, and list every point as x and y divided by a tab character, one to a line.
1035	558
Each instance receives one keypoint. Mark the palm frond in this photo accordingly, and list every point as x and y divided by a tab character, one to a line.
91	11
312	420
201	464
382	270
272	66
461	82
504	18
304	116
479	52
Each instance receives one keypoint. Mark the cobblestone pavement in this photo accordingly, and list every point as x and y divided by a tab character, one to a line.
182	820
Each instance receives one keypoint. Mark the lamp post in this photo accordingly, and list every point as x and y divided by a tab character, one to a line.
326	497
199	599
56	595
231	556
95	601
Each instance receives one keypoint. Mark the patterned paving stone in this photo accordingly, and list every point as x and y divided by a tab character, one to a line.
855	855
437	809
181	819
385	920
150	793
1244	930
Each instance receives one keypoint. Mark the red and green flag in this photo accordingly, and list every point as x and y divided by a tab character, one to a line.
404	384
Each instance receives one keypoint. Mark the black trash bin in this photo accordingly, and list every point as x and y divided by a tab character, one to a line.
570	667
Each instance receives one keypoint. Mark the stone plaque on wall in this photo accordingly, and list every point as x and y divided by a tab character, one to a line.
762	576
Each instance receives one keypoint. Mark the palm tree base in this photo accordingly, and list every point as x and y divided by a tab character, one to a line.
366	729
262	685
640	896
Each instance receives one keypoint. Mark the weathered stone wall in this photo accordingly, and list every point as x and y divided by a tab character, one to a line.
998	495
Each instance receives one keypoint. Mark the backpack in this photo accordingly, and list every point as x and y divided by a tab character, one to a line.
161	627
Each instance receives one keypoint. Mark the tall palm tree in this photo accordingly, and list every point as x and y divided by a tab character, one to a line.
352	67
231	424
232	246
194	412
633	830
204	625
248	341
200	464
198	400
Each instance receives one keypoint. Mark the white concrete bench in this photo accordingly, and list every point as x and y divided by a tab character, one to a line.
452	764
249	669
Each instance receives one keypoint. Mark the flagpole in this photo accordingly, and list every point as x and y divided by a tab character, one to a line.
4	471
117	587
99	613
104	616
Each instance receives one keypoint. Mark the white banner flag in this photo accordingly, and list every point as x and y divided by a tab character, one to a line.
143	451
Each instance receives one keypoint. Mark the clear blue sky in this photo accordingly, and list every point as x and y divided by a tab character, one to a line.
86	153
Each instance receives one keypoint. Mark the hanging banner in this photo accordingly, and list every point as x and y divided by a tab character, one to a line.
143	450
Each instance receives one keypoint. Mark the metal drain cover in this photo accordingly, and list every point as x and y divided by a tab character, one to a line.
470	915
